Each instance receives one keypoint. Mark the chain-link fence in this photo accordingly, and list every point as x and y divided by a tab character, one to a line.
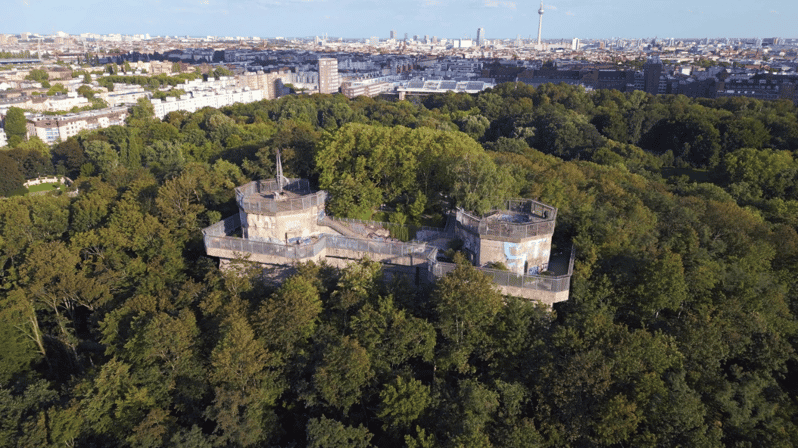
224	227
244	246
398	231
504	229
250	199
215	237
534	208
505	278
377	247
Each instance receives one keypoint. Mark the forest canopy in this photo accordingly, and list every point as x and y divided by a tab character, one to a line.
680	329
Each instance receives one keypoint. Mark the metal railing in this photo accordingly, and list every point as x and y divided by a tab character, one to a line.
224	227
250	200
377	247
531	207
216	237
505	278
505	229
557	283
245	246
412	231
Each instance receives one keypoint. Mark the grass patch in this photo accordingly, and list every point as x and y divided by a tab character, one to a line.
45	187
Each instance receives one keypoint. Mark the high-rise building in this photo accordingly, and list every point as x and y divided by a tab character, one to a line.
575	44
652	70
480	36
393	34
328	75
540	22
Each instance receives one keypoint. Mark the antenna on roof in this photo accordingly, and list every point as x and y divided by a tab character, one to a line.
281	180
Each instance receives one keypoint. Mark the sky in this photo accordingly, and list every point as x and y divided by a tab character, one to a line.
566	19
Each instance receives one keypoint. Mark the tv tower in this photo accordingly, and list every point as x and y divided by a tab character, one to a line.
540	22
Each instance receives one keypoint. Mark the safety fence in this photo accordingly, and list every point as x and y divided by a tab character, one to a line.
531	207
504	229
552	283
225	227
250	197
399	231
216	237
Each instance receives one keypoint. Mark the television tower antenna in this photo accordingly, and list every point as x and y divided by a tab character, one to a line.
540	22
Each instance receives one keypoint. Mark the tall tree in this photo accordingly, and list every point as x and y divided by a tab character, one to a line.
15	126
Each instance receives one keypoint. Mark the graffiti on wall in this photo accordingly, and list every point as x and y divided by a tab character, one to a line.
517	254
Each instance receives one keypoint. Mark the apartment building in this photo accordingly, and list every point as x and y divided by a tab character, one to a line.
270	82
52	128
194	101
329	81
44	103
368	87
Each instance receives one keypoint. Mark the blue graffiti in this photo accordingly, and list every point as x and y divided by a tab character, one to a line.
508	253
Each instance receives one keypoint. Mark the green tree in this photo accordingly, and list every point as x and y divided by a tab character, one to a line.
245	387
466	303
328	433
102	155
342	373
403	401
35	144
288	318
10	177
15	126
57	89
38	75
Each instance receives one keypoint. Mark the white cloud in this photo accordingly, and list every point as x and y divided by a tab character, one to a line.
550	7
497	4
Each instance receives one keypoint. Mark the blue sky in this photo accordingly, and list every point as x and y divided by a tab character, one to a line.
443	18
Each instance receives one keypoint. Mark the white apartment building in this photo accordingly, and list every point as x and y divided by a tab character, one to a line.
329	81
196	100
3	140
124	94
43	103
52	128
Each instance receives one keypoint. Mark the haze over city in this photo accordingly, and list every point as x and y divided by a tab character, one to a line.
364	18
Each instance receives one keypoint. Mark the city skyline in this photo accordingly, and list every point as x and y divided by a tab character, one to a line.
364	18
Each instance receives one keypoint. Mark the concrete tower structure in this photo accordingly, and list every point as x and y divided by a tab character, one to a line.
480	36
540	23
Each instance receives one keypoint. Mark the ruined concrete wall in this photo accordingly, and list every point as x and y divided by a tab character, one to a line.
546	297
471	243
533	253
281	227
226	254
352	255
